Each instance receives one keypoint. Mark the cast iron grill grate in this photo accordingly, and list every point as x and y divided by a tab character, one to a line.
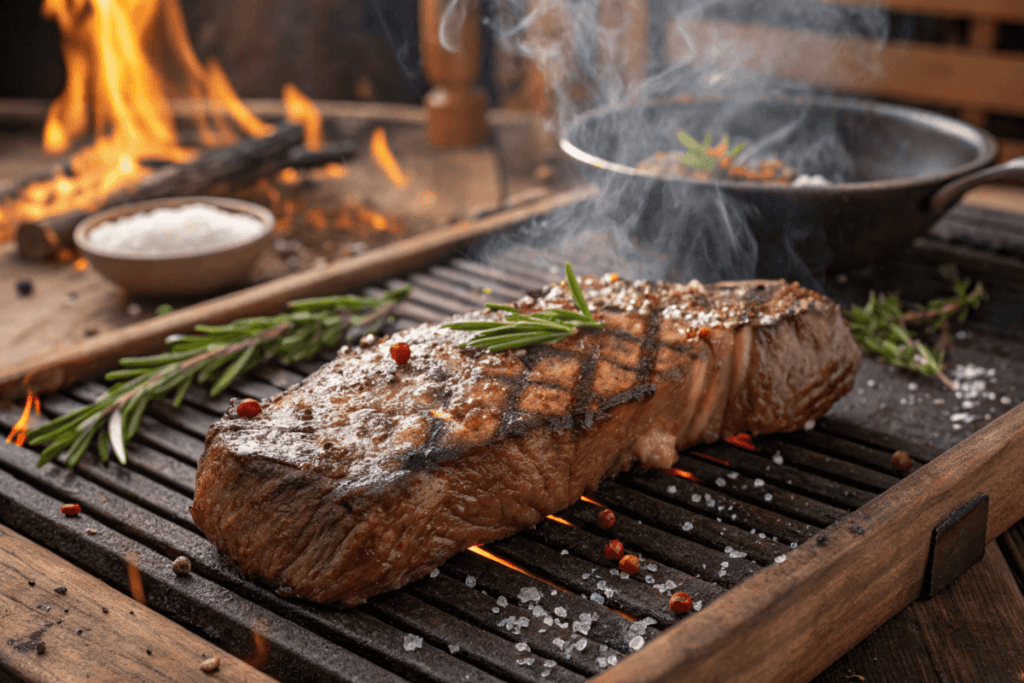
543	605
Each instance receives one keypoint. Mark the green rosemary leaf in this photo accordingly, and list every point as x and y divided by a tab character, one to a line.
477	325
502	307
103	446
125	373
155	360
52	451
179	394
232	371
577	293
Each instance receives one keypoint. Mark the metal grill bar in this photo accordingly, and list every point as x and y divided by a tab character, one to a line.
682	527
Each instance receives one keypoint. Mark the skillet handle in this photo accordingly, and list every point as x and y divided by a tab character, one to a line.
948	194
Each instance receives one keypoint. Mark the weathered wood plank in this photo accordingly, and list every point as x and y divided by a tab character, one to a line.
90	630
861	571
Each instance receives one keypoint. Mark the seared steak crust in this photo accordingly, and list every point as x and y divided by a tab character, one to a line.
368	475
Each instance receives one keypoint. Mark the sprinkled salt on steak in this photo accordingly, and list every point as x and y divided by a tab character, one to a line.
368	474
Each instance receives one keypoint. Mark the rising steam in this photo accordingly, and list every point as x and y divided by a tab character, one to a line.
596	54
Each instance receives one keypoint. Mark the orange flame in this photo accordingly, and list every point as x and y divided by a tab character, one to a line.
494	558
300	110
742	440
20	429
385	159
566	522
114	86
591	501
681	473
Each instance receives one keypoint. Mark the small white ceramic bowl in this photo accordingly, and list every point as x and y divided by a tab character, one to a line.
204	271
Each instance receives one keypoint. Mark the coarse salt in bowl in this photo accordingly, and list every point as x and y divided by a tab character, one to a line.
182	246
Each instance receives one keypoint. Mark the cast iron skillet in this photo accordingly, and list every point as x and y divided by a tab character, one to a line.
899	169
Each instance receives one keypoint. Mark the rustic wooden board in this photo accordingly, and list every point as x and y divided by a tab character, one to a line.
972	632
91	630
860	572
49	371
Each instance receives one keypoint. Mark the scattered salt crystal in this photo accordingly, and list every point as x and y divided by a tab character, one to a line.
558	642
173	231
581	644
737	554
651	567
602	662
522	647
560	612
453	648
777	458
779	559
548	621
434	574
725	564
695	498
565	551
794	544
471	581
728	549
720	482
649	579
503	601
412	642
495	610
549	664
1006	400
698	605
871	382
525	662
529	594
809	425
671	489
637	643
613	660
687	526
912	386
597	597
758	483
768	497
733	475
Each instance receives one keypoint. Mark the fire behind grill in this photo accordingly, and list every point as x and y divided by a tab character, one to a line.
543	605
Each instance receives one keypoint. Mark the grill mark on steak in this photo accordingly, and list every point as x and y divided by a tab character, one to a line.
367	475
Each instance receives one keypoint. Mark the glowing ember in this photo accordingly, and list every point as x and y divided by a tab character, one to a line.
20	428
742	440
427	198
288	176
591	501
385	159
681	473
299	109
712	458
335	170
441	415
135	586
81	263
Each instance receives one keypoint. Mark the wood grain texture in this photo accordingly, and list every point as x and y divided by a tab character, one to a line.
918	72
858	574
972	632
97	354
91	630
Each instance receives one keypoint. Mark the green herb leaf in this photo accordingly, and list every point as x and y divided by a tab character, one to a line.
543	327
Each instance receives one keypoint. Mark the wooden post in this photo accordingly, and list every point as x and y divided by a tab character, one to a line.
455	104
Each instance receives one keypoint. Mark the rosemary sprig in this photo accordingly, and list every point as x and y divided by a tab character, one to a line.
880	327
518	330
702	156
221	351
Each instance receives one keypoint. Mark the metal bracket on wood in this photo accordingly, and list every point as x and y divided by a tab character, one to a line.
958	543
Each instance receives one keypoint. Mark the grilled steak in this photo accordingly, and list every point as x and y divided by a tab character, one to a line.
370	474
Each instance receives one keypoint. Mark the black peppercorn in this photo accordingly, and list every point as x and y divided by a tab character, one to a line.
24	287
